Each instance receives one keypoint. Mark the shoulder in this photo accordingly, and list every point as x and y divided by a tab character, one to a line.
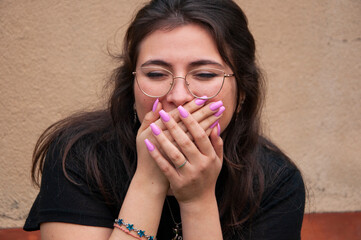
86	146
281	210
284	188
79	153
76	151
277	166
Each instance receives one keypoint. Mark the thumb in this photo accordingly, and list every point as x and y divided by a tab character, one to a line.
217	141
151	116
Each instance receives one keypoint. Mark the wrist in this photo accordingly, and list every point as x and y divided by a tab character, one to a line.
149	186
142	206
199	205
200	219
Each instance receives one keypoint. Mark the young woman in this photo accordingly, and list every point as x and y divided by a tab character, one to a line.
178	154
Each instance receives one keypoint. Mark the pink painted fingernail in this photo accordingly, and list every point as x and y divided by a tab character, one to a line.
155	129
183	112
214	106
149	145
220	111
218	129
165	116
200	101
214	124
155	104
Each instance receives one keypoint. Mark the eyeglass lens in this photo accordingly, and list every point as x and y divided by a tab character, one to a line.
158	82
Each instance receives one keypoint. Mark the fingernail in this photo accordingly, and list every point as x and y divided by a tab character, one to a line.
199	101
149	145
218	129
182	112
155	104
165	117
214	124
220	111
155	129
214	106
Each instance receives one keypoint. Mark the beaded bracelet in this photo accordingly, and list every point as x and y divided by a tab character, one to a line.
130	227
126	231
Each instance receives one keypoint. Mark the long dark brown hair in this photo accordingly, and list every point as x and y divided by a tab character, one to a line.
113	130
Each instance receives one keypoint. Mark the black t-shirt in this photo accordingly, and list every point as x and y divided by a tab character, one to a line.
279	217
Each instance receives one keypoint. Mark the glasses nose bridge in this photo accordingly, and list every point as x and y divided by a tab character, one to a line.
185	84
174	77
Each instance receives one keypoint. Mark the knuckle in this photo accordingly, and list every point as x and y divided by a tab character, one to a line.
171	126
176	156
203	167
182	185
194	179
148	117
165	168
205	111
185	143
192	121
221	144
201	136
213	156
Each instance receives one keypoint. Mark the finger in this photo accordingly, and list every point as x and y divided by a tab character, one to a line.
210	109
163	164
183	141
191	107
200	137
206	117
151	116
169	149
209	123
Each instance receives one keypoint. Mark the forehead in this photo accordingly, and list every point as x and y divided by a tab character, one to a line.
179	45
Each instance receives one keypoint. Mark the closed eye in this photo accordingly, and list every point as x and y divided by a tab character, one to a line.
156	74
205	75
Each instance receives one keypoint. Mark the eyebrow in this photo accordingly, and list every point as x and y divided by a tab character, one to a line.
197	63
156	62
204	62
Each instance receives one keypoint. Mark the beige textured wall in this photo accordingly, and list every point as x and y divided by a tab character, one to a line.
53	61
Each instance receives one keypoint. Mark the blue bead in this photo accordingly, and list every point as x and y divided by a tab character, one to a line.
130	227
120	222
151	238
141	233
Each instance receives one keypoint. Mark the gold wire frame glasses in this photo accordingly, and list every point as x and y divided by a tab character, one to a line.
203	83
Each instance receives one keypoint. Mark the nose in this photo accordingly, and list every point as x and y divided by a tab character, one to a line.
179	95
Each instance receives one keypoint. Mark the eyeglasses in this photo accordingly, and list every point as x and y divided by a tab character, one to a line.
204	83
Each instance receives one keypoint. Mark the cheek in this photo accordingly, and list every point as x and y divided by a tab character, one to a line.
228	96
143	104
227	114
